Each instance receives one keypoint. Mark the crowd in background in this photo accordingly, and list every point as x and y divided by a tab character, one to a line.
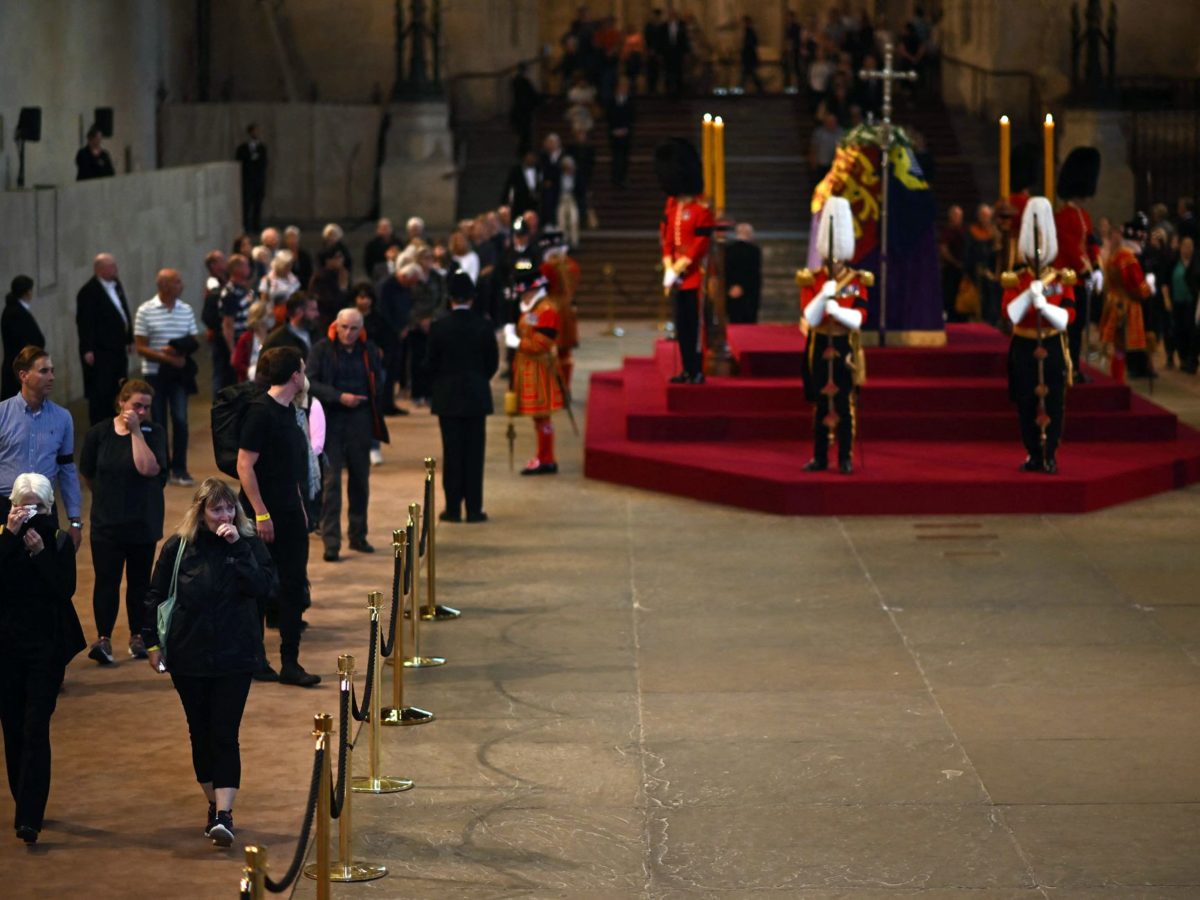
972	260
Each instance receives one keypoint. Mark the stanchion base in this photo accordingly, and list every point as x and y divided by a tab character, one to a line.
423	662
356	871
440	613
405	715
365	784
615	331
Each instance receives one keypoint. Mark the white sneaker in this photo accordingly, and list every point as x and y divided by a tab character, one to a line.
376	458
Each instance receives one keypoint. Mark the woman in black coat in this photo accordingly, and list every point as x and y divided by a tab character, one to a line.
18	329
40	633
212	642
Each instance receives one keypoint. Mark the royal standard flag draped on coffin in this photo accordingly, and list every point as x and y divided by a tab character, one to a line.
914	303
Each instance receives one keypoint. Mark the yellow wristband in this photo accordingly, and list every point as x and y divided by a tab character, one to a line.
265	517
152	649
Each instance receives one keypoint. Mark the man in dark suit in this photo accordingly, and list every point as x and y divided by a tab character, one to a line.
19	329
462	358
675	51
521	187
105	336
620	116
297	330
252	154
743	277
653	35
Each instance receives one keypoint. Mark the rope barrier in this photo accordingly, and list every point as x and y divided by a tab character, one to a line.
389	638
278	887
338	792
433	611
361	712
427	505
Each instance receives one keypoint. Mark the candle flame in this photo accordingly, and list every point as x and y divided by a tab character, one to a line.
708	117
1049	119
718	121
1004	120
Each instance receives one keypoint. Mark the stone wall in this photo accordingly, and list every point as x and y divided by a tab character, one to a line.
69	57
321	156
148	221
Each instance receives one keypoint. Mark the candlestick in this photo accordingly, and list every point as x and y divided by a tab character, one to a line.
706	154
719	163
1005	159
1048	157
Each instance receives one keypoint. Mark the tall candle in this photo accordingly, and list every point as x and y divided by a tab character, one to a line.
1005	159
706	154
1048	157
719	163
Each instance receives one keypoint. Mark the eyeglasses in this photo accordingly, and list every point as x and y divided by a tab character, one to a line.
140	407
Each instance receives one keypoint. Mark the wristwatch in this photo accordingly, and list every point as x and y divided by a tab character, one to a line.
76	523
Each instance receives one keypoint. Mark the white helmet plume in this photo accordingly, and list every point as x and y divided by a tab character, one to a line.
836	215
1038	208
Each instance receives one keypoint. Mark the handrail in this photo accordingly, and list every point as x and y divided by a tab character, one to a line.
497	76
1034	110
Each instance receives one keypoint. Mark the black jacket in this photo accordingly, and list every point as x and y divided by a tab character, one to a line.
214	628
36	612
322	370
283	337
100	326
516	191
461	360
19	329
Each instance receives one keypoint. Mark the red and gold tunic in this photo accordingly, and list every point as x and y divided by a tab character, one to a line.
1060	291
562	274
1077	249
851	294
677	232
1122	323
535	365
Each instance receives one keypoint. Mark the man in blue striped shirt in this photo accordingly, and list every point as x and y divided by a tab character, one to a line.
37	435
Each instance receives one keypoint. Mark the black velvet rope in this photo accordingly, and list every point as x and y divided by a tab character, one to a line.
425	515
361	712
408	560
278	887
337	792
389	637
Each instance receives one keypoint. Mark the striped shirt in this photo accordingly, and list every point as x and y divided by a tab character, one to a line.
158	325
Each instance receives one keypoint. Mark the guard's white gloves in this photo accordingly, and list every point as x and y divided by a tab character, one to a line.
511	340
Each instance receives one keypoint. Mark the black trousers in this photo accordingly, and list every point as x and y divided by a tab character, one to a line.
103	384
816	379
252	201
464	439
1183	327
214	707
28	695
289	553
347	446
171	402
421	386
111	559
1075	329
1023	381
687	330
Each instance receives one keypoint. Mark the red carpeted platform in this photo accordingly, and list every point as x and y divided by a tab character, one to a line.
937	434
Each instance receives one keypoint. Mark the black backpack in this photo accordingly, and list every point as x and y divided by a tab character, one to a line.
228	413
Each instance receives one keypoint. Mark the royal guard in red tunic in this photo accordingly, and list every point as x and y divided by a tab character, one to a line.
562	281
684	233
1123	321
537	382
1078	249
834	304
1040	302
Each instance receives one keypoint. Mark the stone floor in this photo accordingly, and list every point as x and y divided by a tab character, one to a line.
651	697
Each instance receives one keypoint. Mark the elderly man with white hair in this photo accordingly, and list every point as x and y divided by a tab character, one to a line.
346	375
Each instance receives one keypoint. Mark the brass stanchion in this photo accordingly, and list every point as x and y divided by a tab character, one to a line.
345	868
254	873
376	783
398	560
322	728
417	661
398	713
433	610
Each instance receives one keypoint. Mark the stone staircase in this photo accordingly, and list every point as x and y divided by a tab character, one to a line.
768	185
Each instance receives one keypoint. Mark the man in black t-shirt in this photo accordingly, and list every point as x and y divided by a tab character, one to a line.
272	466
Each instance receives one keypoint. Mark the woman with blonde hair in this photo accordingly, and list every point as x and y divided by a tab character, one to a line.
279	283
217	570
260	319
